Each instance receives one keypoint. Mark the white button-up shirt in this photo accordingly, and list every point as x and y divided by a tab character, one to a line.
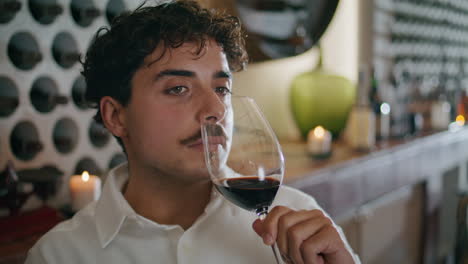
110	231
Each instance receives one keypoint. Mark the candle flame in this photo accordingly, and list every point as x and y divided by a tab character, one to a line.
85	176
460	120
319	132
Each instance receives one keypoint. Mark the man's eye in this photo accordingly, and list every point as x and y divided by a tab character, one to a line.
222	90
177	90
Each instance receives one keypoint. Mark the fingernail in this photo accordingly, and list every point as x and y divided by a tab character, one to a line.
268	239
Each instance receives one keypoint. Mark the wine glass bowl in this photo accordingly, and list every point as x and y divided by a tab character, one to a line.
243	156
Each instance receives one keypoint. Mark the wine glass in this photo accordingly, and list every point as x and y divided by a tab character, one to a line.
244	158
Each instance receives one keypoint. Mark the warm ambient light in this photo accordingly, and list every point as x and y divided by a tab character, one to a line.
460	120
85	176
385	108
319	132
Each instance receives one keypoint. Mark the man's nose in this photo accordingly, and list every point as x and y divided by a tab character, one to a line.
213	108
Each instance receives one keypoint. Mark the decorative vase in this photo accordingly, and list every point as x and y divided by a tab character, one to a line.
320	98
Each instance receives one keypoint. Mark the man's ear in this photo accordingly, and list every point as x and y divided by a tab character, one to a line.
113	116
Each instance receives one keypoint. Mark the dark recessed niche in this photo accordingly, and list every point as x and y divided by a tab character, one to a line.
8	10
65	135
65	50
84	12
45	11
114	8
98	135
44	95
117	159
89	165
24	141
23	51
78	93
9	100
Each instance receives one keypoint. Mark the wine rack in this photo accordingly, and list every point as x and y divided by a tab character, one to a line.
44	119
420	52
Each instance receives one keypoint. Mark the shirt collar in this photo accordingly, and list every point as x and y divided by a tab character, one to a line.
112	208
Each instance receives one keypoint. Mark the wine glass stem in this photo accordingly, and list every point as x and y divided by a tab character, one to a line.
262	213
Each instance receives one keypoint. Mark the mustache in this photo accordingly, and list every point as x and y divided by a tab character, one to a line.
217	130
191	139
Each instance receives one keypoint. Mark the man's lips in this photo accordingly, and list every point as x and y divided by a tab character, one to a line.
213	143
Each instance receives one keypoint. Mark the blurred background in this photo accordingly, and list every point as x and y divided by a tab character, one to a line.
368	98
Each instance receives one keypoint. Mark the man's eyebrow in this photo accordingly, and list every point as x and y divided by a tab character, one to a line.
223	74
182	73
185	73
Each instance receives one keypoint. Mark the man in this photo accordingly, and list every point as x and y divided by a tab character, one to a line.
154	77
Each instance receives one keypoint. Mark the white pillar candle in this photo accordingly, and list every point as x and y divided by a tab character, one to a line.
84	189
319	141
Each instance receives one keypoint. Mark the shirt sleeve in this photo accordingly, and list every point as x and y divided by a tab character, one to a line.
298	200
35	257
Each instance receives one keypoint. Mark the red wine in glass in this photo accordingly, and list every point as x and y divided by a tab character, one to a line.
250	193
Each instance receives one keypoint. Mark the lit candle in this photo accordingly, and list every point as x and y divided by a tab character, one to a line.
84	189
319	141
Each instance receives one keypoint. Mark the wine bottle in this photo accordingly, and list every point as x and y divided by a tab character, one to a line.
360	132
8	10
8	105
23	51
84	12
98	134
13	192
117	159
65	50
462	102
114	8
65	135
45	11
380	108
8	97
24	141
89	165
78	92
44	95
47	184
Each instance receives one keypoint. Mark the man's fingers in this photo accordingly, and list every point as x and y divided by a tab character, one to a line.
304	237
300	232
258	227
287	221
323	243
270	224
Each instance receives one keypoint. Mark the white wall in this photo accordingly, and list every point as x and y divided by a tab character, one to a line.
269	82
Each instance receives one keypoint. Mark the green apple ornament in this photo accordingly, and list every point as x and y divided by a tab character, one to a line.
321	98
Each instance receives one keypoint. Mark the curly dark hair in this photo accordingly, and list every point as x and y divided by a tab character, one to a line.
116	53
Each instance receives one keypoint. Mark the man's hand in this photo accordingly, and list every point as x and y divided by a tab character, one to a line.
303	237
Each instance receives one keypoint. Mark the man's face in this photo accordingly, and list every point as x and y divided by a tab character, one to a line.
170	98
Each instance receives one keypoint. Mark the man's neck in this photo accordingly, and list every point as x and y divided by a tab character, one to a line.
166	201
